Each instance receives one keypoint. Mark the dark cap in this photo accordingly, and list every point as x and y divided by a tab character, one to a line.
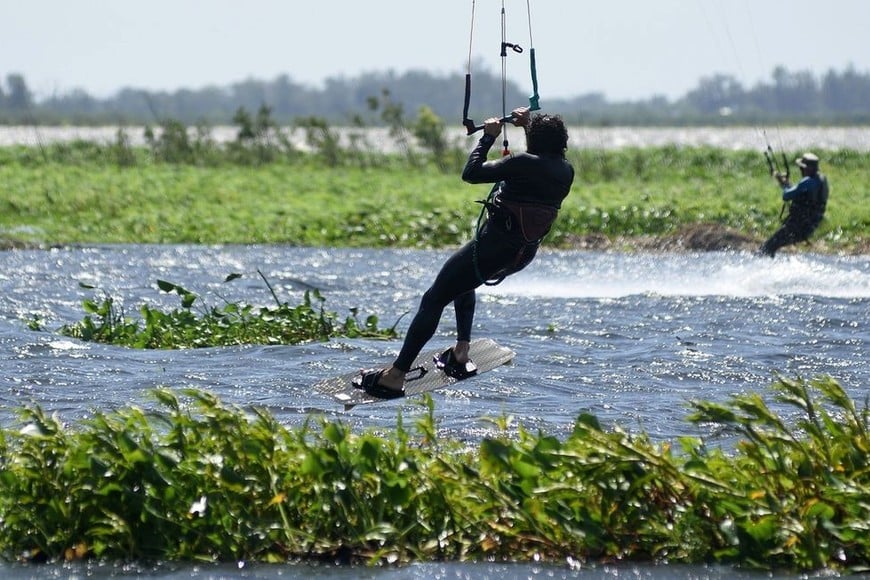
808	160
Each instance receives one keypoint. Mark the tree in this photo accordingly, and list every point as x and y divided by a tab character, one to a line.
847	92
795	92
19	98
786	96
715	94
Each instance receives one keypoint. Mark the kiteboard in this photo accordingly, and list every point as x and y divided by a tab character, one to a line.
485	353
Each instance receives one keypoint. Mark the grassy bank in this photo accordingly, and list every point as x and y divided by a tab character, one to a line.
70	196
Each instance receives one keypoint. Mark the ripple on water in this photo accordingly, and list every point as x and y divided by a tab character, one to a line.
630	338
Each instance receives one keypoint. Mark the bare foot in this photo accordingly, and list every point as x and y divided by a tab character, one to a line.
393	378
460	351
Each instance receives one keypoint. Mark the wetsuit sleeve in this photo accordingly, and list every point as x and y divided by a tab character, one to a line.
803	186
477	169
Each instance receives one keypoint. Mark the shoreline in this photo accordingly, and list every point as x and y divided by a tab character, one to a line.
706	237
732	138
702	237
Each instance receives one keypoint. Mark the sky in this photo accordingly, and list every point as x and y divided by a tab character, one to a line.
625	49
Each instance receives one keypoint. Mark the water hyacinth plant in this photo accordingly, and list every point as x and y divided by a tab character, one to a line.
231	324
257	190
195	480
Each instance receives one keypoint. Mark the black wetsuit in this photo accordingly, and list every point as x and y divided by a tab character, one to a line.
809	199
530	192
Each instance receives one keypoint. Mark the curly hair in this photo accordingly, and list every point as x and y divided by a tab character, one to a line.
546	135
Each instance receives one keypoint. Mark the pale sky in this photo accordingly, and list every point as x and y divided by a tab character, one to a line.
626	49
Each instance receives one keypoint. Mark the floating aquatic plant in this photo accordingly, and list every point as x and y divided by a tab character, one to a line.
194	479
230	324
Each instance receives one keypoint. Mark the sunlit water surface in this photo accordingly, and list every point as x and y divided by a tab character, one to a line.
631	338
733	138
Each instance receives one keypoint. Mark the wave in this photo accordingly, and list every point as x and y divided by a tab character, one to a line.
598	275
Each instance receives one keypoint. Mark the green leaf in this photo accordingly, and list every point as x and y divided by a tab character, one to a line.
166	286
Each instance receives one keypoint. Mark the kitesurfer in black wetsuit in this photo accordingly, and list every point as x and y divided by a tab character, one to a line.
808	201
528	194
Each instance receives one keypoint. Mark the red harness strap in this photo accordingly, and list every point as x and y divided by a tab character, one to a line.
533	219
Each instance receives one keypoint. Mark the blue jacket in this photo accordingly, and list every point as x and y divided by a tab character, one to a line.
809	199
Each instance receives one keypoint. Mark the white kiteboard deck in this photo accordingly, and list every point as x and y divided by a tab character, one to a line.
484	352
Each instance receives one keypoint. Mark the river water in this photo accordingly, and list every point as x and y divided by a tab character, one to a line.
631	338
731	138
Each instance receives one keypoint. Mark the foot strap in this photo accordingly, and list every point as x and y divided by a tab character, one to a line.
369	381
452	368
420	373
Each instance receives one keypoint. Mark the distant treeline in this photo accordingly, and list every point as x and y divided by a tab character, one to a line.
837	97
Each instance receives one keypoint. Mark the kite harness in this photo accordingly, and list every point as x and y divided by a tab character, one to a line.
493	208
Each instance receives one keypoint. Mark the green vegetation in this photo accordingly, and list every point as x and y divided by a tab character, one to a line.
231	324
260	190
195	480
660	191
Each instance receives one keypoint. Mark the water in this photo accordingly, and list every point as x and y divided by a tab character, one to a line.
423	571
732	138
631	338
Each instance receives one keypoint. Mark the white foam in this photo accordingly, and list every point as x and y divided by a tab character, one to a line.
593	275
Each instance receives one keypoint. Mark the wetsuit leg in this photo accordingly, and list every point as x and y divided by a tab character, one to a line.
464	305
455	279
788	234
494	250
